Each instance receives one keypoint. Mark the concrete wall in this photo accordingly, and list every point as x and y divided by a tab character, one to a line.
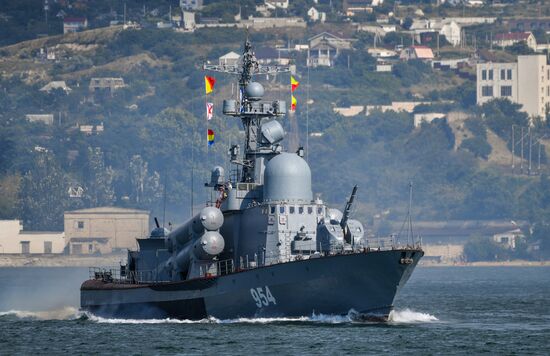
448	253
12	239
533	82
120	226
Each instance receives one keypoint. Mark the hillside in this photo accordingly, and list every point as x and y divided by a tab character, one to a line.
153	131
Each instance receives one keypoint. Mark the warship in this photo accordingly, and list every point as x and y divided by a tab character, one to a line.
263	246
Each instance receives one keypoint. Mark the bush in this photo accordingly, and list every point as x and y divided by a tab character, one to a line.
484	249
478	146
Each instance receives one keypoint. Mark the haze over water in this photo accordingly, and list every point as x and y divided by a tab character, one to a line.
444	310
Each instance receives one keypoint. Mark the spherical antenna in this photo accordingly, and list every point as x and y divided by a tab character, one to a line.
254	91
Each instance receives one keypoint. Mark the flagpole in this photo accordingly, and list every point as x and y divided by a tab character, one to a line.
307	116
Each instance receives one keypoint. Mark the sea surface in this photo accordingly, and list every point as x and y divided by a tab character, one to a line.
442	310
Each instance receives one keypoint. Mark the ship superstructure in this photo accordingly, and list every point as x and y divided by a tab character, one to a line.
264	246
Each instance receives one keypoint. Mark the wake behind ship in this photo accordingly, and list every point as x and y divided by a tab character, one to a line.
264	247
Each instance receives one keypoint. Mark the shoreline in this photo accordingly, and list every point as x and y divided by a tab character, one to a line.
8	261
514	263
62	261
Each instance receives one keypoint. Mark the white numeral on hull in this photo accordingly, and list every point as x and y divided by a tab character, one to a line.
261	297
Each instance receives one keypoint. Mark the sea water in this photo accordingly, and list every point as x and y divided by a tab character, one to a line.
442	310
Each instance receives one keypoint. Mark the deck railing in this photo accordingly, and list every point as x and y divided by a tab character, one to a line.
120	274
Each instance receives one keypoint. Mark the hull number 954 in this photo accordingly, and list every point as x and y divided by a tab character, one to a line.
262	296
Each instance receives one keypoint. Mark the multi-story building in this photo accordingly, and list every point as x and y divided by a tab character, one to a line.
526	82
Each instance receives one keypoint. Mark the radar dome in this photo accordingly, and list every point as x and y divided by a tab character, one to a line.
254	91
287	177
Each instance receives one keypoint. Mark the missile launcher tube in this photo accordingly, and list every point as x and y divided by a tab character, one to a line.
197	239
209	218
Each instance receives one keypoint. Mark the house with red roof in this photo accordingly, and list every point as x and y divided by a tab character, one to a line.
74	24
508	39
424	53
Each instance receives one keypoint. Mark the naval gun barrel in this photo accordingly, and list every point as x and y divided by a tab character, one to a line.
347	210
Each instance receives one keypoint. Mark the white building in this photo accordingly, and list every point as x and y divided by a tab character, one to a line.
508	239
45	118
74	24
189	23
526	82
191	4
427	117
508	39
448	28
273	4
316	15
229	59
324	48
13	240
56	85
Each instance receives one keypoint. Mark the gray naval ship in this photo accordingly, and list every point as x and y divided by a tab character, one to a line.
264	247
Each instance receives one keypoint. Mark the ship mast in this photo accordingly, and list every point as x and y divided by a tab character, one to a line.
252	112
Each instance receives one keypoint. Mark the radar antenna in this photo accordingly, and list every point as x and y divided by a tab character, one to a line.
251	110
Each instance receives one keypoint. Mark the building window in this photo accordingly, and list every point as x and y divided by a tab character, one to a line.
282	209
490	74
90	248
506	90
301	210
502	74
292	209
320	210
487	90
47	247
310	210
80	224
272	209
25	247
484	74
509	74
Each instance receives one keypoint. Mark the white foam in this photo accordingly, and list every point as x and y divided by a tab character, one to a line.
405	316
408	316
65	313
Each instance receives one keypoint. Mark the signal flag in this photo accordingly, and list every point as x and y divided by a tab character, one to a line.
210	137
294	84
209	111
209	84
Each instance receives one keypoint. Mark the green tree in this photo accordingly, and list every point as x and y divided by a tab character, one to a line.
43	196
479	248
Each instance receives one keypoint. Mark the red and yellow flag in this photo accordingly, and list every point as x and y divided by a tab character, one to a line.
209	84
294	84
293	104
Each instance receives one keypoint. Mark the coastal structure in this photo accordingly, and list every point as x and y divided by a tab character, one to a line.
14	240
104	229
526	82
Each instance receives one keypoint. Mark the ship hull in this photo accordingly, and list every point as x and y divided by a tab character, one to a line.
364	282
